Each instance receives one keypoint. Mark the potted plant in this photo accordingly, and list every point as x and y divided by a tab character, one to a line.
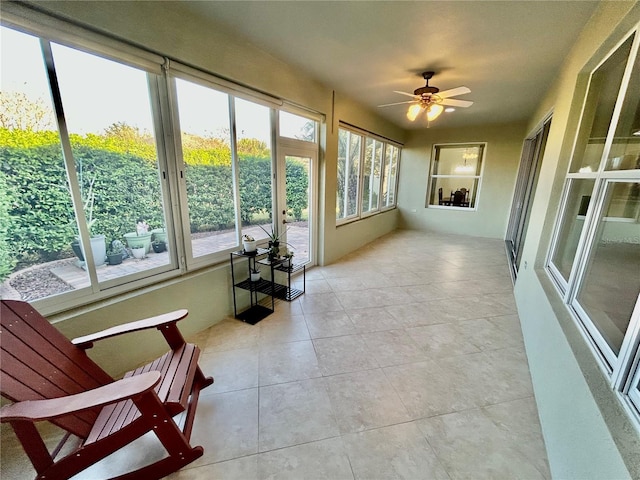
159	246
288	259
138	250
274	242
115	253
159	235
249	244
141	235
255	274
98	244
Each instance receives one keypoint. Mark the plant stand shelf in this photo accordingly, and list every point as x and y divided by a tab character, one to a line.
259	308
285	291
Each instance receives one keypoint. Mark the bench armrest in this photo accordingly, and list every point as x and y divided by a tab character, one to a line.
165	323
37	410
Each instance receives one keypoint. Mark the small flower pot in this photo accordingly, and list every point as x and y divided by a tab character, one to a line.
114	258
255	276
159	247
286	262
249	246
139	252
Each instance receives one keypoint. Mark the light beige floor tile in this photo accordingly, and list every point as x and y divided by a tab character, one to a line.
345	284
231	369
509	324
442	340
321	460
433	388
282	330
314	286
416	314
470	445
393	347
399	451
487	335
226	425
519	419
280	363
501	375
322	302
373	319
347	353
294	413
243	468
425	293
363	400
232	334
329	324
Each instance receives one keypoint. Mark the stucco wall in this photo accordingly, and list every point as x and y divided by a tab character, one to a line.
489	219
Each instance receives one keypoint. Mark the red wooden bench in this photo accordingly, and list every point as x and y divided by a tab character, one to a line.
51	378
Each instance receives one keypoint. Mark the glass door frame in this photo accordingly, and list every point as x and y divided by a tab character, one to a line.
526	184
286	147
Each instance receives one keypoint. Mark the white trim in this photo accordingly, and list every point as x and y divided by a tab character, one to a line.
36	23
226	86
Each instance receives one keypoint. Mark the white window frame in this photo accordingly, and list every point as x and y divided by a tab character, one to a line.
359	214
433	175
170	162
623	370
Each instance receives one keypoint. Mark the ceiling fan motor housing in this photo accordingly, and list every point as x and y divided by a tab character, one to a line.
426	90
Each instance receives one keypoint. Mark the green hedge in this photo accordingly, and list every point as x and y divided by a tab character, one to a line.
37	223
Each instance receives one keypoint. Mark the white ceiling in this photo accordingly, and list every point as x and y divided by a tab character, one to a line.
506	52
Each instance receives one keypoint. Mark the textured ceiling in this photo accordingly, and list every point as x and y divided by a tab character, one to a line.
506	52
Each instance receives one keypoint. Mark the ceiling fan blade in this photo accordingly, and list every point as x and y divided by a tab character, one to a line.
453	102
405	93
453	92
397	103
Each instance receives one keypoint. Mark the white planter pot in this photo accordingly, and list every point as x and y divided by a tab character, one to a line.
255	277
286	263
249	246
138	253
98	249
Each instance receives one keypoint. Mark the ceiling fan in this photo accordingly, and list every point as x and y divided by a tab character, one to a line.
431	100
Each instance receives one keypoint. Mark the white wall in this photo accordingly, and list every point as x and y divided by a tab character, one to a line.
502	157
587	433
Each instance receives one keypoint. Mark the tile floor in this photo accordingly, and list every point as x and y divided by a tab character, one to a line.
403	360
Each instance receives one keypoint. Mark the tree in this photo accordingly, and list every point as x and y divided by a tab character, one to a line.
19	112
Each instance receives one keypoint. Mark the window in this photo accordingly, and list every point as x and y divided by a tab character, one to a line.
168	166
595	252
297	127
367	174
456	175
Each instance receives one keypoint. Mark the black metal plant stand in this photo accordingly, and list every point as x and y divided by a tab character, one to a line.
258	308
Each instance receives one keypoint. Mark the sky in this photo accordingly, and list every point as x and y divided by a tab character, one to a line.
97	92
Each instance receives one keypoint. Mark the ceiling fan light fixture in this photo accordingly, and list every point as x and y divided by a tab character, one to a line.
434	111
413	112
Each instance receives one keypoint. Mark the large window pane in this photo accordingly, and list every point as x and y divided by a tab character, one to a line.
349	145
571	225
253	123
109	118
390	176
372	172
598	110
612	280
625	150
37	222
206	150
295	126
